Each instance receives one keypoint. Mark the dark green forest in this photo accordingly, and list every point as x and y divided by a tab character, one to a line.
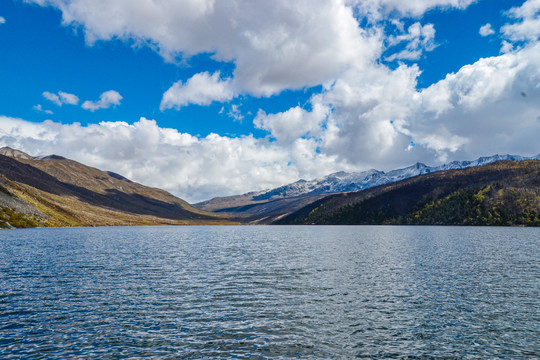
500	194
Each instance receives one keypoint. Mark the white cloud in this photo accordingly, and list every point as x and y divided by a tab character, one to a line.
200	89
235	113
478	111
52	98
418	38
39	108
474	84
294	123
486	30
67	98
506	47
275	45
106	100
527	26
374	117
366	107
2	20
61	98
190	167
416	8
366	116
363	120
483	104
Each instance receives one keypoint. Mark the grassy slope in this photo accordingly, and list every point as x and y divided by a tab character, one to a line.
16	213
503	193
68	193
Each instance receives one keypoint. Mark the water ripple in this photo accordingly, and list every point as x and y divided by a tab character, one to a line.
270	292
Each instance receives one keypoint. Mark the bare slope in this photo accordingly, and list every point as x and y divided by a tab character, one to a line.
71	194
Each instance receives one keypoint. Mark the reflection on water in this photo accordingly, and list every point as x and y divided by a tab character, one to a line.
270	292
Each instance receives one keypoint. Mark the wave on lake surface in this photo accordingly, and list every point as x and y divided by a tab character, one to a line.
270	292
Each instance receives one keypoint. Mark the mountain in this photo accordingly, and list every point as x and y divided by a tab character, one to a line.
55	191
501	193
269	205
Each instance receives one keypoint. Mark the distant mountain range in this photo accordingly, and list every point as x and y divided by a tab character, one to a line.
55	191
501	193
269	205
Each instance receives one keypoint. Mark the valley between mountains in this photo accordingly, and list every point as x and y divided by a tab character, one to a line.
55	191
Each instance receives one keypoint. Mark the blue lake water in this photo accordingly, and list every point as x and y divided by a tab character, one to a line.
270	292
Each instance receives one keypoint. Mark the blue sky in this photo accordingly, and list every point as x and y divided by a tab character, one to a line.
207	98
40	54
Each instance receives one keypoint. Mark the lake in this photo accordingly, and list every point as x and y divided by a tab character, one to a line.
257	292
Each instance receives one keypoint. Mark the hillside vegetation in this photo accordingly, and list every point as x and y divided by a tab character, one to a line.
268	206
503	193
54	191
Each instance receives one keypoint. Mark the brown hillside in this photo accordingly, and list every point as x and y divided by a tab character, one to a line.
71	194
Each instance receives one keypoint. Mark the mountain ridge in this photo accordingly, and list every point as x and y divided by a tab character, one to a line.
344	182
53	190
254	206
499	193
69	193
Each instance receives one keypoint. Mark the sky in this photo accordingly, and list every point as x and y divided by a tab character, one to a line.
208	98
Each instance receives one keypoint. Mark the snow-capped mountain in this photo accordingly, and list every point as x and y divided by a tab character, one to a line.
344	182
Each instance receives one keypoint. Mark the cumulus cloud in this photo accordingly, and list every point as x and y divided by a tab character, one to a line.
527	25
2	20
365	109
61	98
418	39
482	103
506	47
190	167
52	98
275	45
370	119
363	120
200	89
415	8
480	110
486	30
292	124
106	100
235	113
367	115
67	98
39	108
418	7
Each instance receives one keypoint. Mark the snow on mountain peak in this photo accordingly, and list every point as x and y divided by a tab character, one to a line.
344	182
